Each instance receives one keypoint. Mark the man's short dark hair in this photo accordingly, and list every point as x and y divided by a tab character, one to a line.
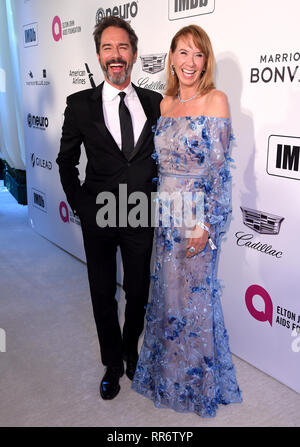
119	23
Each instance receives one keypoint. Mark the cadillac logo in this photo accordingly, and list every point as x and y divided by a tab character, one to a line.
261	222
153	63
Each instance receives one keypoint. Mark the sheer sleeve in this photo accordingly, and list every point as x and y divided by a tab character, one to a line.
217	199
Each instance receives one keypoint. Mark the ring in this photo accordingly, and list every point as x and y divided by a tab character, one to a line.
192	249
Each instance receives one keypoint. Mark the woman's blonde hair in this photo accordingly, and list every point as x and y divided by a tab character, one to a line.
201	41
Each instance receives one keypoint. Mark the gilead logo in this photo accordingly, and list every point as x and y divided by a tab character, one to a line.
267	314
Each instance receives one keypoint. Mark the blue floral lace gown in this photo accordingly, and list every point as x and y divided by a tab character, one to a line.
185	361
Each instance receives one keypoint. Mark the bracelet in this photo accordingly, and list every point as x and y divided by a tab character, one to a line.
212	245
203	226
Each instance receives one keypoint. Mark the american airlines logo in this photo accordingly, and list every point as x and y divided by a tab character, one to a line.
284	156
179	9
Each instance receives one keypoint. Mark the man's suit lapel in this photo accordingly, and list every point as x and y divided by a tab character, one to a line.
146	104
98	119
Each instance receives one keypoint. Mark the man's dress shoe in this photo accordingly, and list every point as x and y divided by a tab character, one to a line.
109	386
131	362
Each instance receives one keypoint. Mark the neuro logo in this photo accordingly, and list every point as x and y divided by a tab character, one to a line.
153	63
261	222
56	29
180	9
126	11
100	14
284	156
267	314
37	122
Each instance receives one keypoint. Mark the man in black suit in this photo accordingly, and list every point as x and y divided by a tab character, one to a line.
116	131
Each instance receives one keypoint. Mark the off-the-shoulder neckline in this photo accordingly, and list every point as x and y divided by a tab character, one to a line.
195	117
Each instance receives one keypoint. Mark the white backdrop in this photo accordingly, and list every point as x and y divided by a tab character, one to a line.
258	58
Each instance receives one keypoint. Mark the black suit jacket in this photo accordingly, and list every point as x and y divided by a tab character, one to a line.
106	167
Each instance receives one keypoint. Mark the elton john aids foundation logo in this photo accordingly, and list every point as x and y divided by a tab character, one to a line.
64	212
267	314
284	317
56	29
60	29
67	215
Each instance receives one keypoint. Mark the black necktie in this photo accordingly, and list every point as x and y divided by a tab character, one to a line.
126	127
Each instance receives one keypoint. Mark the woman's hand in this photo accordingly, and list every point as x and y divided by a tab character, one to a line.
198	240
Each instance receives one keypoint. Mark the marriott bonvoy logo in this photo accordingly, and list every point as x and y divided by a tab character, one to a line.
179	9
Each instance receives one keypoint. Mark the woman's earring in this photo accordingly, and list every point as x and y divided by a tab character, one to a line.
202	72
172	70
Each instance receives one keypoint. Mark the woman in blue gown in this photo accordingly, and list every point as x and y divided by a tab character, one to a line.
185	362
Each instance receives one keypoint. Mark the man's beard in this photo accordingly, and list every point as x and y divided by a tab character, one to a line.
117	78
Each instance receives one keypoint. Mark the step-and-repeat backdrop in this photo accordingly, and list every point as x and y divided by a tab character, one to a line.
258	66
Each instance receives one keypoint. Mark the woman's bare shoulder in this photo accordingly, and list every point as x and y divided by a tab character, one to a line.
217	104
165	104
